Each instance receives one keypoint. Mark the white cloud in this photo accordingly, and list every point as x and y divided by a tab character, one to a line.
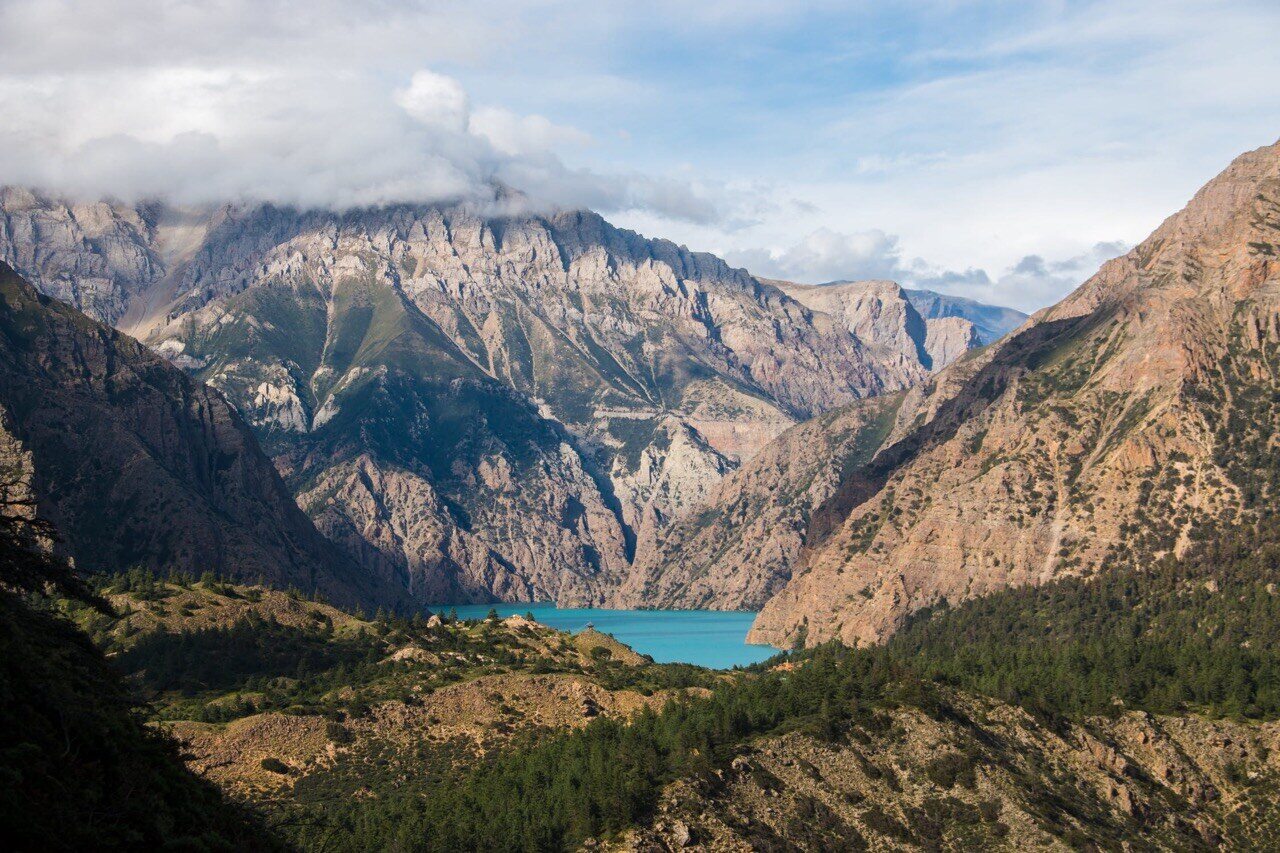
311	139
436	101
313	104
824	255
518	135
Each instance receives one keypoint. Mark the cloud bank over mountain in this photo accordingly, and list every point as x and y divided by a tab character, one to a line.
827	255
285	103
284	137
972	134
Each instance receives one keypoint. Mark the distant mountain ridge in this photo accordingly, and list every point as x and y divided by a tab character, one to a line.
917	327
992	322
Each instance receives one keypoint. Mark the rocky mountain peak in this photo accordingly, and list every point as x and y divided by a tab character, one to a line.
877	312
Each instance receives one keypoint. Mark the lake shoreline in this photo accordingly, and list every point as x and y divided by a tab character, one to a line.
712	638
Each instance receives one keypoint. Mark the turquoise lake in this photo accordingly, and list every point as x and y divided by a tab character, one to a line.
712	638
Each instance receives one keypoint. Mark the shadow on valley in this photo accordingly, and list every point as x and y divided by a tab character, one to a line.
79	766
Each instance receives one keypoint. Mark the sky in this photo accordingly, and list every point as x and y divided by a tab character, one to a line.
996	150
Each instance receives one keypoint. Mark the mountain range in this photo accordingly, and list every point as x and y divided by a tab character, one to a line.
481	408
550	408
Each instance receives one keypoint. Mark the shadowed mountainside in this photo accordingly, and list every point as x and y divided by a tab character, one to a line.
137	464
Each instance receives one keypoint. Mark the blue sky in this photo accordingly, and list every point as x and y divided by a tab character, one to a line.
999	150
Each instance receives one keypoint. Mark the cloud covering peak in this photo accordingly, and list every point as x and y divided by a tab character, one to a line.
281	102
825	137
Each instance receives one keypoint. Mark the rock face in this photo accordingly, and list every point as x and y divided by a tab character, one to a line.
949	338
94	256
139	465
475	408
918	330
738	548
1113	428
877	312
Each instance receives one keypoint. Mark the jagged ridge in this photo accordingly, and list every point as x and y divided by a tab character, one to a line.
475	408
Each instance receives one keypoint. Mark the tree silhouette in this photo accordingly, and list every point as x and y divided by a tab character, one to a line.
28	562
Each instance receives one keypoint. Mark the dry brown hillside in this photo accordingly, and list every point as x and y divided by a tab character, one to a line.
1117	426
989	777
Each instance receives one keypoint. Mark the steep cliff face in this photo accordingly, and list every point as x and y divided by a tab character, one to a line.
1117	426
139	465
474	407
738	548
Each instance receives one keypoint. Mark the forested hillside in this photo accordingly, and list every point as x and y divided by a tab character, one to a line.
1034	700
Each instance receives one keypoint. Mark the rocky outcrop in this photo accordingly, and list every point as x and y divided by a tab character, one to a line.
138	465
1114	428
